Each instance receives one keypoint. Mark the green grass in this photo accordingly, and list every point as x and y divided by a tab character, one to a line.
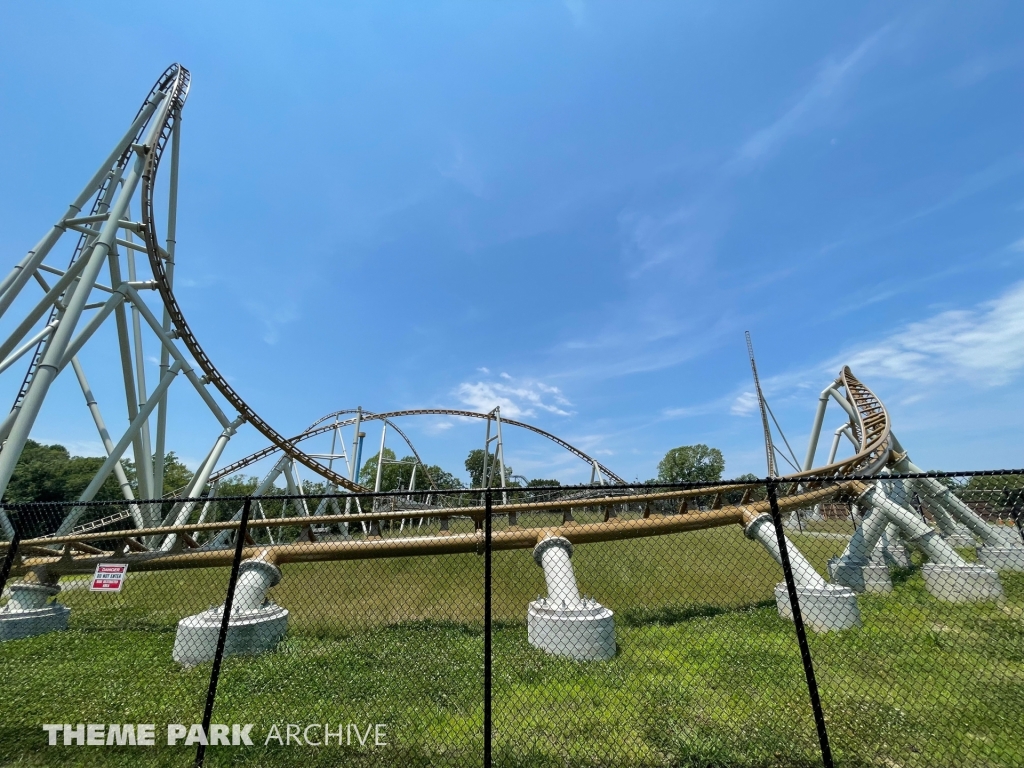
707	674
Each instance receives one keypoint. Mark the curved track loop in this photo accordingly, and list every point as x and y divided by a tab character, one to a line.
871	428
175	83
318	428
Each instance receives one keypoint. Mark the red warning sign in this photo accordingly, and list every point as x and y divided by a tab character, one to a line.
109	577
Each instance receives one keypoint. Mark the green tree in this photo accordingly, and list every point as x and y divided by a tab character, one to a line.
396	474
393	477
442	478
51	473
176	475
757	492
237	485
691	464
475	467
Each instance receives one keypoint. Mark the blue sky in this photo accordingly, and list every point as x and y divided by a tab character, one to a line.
570	209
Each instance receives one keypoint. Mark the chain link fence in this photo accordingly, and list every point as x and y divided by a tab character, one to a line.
830	621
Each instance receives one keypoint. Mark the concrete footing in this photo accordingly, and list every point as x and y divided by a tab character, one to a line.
28	613
256	624
564	623
824	609
894	555
1002	558
585	631
961	538
962	583
860	576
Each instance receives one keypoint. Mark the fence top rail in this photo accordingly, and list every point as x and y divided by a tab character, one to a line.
64	563
304	520
703	487
630	494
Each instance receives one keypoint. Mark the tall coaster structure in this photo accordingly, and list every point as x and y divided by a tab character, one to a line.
54	330
138	300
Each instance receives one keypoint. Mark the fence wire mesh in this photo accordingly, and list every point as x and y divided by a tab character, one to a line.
845	621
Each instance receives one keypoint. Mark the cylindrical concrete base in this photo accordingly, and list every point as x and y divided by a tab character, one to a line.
860	576
584	631
255	631
27	613
1002	558
823	610
256	624
967	583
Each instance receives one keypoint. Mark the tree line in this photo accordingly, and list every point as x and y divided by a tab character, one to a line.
51	473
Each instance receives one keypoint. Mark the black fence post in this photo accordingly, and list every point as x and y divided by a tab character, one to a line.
218	656
801	632
1015	511
487	630
12	552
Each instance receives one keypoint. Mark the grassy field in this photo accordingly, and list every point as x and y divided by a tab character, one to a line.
707	674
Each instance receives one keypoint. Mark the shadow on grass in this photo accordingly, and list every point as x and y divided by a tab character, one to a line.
669	615
902	575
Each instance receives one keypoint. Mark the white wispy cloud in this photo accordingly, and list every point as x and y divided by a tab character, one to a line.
273	320
744	404
984	345
439	426
515	397
685	232
806	112
984	66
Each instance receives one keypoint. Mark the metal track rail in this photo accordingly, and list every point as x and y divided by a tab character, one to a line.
871	426
318	428
178	85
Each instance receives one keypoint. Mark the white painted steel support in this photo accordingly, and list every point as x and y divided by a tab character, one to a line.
500	455
17	354
819	419
165	356
186	369
29	613
202	475
256	625
108	445
947	576
1002	548
565	623
58	341
22	272
855	568
265	485
144	462
107	467
825	607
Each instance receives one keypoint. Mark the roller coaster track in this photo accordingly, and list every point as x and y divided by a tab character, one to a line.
176	83
97	207
151	133
318	427
871	427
